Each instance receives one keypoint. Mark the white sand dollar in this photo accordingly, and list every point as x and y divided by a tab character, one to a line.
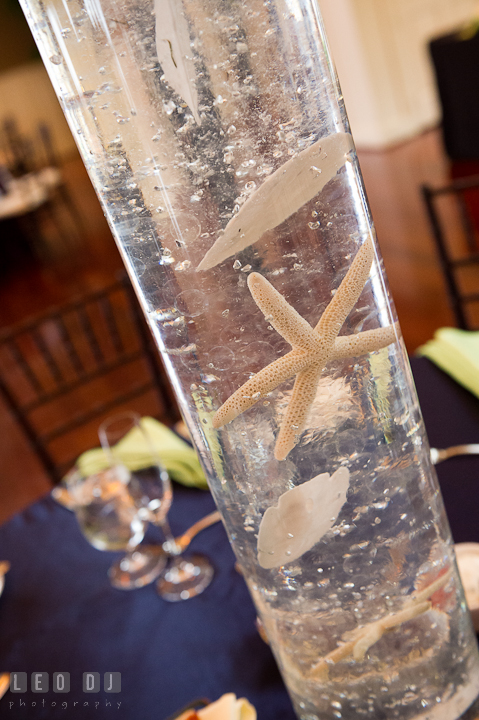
300	519
284	192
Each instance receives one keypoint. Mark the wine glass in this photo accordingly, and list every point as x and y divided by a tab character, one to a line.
130	451
183	577
126	439
109	519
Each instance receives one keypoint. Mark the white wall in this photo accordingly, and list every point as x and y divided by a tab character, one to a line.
380	51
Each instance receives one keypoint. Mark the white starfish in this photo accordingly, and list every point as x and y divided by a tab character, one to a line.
312	349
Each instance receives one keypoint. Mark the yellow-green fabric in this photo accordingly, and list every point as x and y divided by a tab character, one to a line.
457	353
178	458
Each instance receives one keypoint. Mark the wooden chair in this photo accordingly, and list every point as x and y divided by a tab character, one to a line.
63	372
57	217
60	196
453	212
17	150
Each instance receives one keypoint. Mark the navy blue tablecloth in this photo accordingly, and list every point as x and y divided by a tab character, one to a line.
58	612
451	415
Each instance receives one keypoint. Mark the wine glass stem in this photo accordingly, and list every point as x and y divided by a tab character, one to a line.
170	546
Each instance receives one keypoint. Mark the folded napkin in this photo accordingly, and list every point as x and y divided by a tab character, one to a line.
228	707
457	353
179	459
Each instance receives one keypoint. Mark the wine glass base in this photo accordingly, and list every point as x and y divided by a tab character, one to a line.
185	577
137	569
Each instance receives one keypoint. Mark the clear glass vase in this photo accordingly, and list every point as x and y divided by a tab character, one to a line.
217	140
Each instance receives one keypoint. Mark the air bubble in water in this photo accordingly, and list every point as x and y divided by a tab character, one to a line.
166	259
191	303
221	357
185	265
169	107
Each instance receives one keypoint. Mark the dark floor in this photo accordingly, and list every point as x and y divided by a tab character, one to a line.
392	179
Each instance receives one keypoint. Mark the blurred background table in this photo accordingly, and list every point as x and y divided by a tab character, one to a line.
59	613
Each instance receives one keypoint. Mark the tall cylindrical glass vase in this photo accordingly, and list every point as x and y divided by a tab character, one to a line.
217	140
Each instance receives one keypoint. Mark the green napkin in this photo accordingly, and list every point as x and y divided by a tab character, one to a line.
457	353
179	459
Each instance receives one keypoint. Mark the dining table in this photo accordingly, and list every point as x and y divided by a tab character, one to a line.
24	201
27	193
59	613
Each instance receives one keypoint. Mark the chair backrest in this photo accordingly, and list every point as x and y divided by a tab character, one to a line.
18	150
23	154
63	372
49	155
453	212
